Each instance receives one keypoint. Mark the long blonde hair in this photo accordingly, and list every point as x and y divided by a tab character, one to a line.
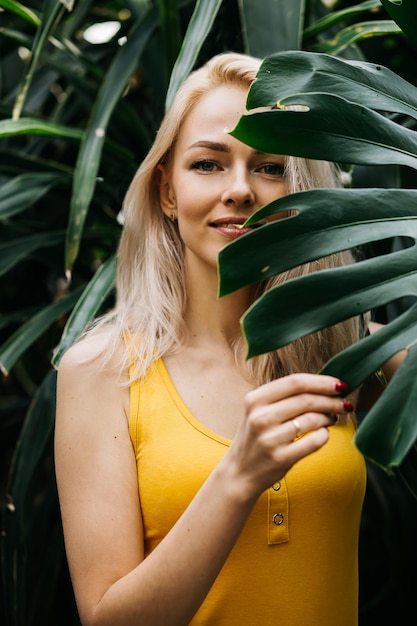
150	291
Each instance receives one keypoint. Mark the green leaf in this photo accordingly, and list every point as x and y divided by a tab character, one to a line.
358	362
169	25
14	251
404	12
92	144
16	36
335	17
198	28
45	27
34	126
388	431
395	409
327	221
290	73
329	128
339	125
20	10
24	190
352	34
27	334
271	26
87	306
280	316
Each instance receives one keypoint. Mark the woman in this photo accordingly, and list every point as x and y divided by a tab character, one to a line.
197	488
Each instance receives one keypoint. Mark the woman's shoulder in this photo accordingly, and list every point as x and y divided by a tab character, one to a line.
87	378
83	348
96	355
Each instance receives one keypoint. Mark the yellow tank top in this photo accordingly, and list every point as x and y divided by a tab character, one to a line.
295	562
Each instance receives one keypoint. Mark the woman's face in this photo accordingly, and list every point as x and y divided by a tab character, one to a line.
215	182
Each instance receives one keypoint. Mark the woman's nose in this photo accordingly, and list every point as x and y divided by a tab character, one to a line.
239	190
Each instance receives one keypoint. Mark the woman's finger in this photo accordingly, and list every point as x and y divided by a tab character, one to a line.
294	385
305	404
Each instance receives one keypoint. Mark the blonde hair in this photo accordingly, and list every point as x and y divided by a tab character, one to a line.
151	297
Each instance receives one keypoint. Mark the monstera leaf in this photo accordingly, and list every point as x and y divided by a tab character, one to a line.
315	106
404	13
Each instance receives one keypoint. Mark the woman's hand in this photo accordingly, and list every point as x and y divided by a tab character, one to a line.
277	414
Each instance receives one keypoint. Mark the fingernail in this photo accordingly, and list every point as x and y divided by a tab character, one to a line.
341	387
348	406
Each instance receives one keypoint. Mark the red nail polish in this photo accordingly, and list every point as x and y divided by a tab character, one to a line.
348	406
341	387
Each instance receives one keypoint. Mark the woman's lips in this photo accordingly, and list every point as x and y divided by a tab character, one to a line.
232	227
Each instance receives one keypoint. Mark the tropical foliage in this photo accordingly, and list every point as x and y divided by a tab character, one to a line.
83	86
342	118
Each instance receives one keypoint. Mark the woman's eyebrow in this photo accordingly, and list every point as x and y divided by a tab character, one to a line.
218	146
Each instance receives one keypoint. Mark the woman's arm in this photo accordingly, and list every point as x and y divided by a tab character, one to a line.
98	492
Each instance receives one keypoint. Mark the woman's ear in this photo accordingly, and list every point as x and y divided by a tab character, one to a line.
166	194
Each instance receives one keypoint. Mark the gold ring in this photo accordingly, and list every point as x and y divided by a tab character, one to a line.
297	427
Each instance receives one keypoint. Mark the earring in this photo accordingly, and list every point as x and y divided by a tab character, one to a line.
172	216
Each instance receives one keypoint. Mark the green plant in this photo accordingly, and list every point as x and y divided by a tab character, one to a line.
351	112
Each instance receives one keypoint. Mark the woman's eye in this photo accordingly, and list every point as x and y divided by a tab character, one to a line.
204	166
273	169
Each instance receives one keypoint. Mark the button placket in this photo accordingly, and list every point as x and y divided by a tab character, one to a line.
278	513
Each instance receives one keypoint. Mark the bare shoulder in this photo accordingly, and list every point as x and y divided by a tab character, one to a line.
87	357
84	374
89	350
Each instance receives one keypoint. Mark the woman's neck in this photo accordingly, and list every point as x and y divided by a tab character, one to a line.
209	318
